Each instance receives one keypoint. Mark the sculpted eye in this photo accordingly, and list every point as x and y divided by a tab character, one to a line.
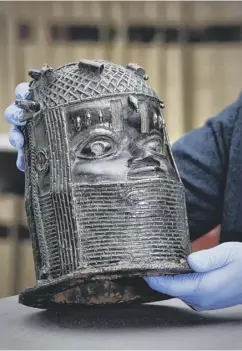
97	148
153	143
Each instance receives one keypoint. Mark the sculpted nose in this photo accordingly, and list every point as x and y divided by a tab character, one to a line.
143	163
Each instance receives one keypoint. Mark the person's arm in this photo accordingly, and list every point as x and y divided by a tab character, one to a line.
201	157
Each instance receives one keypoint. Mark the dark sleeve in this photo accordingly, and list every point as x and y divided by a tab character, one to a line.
201	157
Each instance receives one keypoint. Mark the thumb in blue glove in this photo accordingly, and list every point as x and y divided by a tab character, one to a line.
216	283
13	115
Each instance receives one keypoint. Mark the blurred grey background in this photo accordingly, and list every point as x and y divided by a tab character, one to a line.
192	52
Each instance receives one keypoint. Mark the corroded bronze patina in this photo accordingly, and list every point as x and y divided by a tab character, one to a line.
104	199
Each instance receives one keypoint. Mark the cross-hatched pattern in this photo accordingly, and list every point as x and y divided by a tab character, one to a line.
51	235
30	191
60	177
70	84
140	223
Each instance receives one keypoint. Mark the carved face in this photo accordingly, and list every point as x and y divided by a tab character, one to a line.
103	196
110	160
112	142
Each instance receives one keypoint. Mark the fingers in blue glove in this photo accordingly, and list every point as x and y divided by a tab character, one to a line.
20	160
176	285
216	283
16	138
211	259
13	113
22	91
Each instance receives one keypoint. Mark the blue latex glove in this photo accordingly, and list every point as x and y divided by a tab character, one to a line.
216	284
13	114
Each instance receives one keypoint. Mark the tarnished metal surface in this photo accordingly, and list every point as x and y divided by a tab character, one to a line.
104	199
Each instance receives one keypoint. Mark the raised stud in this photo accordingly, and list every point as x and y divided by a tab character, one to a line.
155	119
162	104
100	117
160	121
34	74
78	123
88	119
92	65
137	69
133	102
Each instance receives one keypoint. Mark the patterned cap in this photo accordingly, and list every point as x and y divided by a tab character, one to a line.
87	80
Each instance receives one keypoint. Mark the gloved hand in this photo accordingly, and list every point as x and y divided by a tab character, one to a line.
13	114
216	283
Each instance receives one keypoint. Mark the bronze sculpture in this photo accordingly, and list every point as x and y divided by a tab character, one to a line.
104	200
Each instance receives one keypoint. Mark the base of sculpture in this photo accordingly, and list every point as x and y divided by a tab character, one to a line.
97	289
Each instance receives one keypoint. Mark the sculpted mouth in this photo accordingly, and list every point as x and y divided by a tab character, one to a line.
146	166
146	169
